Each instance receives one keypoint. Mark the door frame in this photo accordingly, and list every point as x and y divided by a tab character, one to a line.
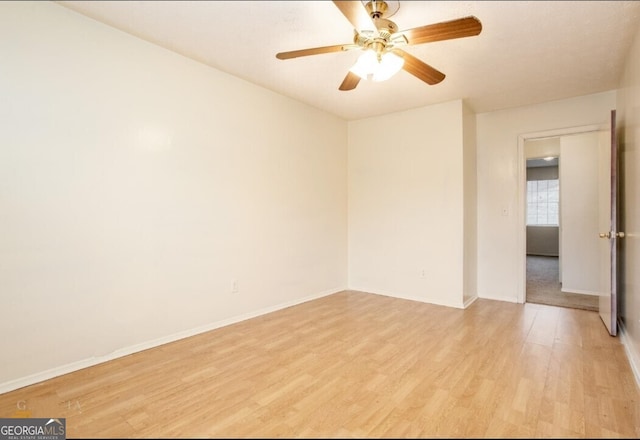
521	198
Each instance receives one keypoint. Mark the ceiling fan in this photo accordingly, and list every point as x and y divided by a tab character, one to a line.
381	42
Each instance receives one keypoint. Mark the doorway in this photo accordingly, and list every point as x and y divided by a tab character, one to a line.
544	280
550	263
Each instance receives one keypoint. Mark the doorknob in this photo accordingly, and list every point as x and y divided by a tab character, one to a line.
611	234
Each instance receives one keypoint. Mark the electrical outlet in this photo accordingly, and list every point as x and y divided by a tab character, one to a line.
234	286
423	274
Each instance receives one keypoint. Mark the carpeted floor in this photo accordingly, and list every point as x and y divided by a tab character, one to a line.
543	286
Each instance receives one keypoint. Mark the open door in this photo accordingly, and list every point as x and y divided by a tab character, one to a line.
610	235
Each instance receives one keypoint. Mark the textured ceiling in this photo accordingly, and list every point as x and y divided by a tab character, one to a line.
528	51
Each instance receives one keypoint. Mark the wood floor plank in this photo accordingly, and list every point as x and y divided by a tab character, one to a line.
359	365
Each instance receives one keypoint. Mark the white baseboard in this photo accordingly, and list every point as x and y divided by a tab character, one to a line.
582	292
403	296
468	302
632	353
511	299
85	363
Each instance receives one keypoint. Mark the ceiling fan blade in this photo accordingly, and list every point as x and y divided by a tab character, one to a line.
350	81
315	51
420	69
446	30
357	15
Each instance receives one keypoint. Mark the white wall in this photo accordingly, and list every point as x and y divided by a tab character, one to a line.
136	185
406	204
470	214
543	240
628	116
501	269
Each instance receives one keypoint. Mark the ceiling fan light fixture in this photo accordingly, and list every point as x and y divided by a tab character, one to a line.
366	65
369	67
389	65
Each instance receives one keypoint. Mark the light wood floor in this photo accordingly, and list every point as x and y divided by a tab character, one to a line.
360	365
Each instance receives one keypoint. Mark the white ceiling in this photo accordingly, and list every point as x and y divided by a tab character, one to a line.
528	51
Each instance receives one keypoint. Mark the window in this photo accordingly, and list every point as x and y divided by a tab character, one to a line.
543	197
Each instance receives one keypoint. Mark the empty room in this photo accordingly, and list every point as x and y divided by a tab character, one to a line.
313	219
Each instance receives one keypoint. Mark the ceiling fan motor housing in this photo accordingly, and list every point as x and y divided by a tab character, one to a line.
385	27
376	9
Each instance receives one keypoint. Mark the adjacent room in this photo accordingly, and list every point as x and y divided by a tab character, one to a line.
573	280
213	224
